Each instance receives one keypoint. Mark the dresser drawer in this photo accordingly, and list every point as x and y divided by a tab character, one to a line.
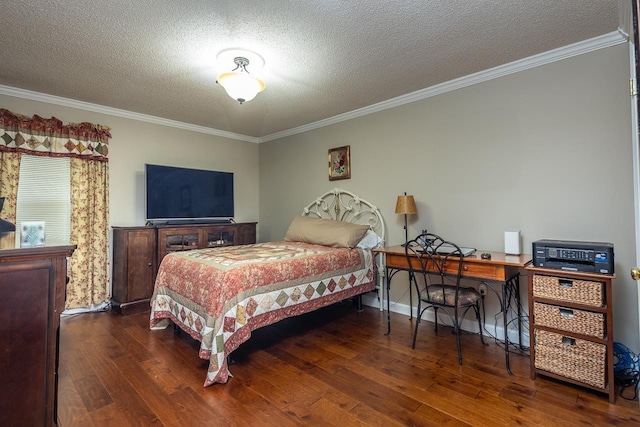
571	290
569	319
577	359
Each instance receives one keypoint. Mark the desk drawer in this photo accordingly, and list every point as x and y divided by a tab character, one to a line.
571	320
563	289
399	261
481	271
478	270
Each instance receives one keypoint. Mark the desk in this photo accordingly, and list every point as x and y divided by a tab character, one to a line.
501	268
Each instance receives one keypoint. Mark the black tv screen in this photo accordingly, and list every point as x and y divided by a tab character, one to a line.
174	193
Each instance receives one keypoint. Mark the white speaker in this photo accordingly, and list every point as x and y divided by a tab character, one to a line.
512	242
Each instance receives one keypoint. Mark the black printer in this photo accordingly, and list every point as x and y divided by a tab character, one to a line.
591	257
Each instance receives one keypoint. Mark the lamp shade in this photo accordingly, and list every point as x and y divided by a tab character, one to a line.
240	85
406	205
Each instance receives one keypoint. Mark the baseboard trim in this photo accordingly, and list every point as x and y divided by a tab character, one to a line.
491	330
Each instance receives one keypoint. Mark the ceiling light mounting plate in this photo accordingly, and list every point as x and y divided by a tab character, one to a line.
228	56
241	62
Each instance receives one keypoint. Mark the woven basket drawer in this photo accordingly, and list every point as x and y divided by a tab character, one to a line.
571	320
577	359
563	289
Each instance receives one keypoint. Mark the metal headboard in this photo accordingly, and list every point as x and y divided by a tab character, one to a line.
342	205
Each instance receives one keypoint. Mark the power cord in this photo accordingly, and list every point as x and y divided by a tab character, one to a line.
626	370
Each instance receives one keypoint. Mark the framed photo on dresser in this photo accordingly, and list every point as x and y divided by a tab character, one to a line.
31	234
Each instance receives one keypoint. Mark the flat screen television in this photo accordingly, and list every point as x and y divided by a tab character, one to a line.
183	195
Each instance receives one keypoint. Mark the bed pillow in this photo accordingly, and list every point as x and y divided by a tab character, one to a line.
371	240
336	234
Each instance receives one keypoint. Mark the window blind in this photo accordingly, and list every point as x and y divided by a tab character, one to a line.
44	195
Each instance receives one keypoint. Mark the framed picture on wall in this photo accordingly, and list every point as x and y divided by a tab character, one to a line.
339	163
31	233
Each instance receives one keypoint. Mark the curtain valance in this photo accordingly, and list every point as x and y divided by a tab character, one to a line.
50	137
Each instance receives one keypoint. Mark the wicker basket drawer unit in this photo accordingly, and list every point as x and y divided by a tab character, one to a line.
574	358
569	319
571	327
564	289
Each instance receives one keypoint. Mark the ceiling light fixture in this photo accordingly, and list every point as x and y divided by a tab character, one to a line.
239	84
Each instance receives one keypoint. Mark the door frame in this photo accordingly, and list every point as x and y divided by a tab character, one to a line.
629	19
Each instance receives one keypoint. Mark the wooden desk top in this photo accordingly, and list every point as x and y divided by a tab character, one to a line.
500	258
500	267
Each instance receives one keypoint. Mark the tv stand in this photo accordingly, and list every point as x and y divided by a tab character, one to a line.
138	252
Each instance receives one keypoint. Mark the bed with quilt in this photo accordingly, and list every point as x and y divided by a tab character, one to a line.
219	295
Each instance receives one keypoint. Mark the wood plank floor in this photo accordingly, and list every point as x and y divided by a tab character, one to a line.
331	367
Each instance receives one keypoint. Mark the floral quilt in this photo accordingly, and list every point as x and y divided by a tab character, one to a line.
219	295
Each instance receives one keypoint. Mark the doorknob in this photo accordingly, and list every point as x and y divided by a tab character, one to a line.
635	273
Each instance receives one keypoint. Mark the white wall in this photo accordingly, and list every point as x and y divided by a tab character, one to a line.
547	151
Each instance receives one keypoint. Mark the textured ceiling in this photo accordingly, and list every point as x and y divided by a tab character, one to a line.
323	58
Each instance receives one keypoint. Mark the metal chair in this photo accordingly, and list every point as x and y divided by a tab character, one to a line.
436	270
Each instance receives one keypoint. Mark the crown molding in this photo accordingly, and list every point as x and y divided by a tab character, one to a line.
625	18
87	106
607	40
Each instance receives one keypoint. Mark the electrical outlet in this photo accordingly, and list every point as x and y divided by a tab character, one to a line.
482	288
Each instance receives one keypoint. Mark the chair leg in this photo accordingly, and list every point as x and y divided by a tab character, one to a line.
457	332
418	317
477	310
435	313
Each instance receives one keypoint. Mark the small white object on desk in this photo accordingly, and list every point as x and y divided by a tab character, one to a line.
512	242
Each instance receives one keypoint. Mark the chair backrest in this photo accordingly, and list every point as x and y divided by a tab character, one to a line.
436	261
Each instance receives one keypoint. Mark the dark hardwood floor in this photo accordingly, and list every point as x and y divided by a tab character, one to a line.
331	367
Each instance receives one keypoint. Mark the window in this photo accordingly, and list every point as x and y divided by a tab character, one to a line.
44	195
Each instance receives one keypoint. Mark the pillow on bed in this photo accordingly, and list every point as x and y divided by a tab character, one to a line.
371	240
336	234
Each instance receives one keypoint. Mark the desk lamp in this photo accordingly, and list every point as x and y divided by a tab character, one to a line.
406	205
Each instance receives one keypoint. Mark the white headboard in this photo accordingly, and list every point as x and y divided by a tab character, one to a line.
342	205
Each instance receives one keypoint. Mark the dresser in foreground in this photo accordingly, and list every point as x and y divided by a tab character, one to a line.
32	296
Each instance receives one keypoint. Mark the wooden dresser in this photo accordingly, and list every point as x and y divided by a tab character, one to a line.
32	296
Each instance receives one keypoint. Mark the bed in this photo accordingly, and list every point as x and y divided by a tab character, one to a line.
219	295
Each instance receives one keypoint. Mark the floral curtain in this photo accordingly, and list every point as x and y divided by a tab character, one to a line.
9	172
89	231
87	145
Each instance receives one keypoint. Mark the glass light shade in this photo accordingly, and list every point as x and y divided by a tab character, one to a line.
241	86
